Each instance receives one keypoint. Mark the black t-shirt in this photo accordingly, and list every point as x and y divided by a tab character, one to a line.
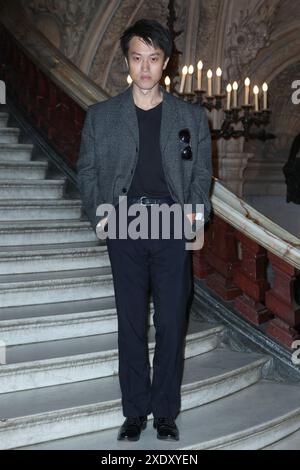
149	179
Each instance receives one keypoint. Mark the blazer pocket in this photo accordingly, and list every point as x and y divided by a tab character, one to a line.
185	152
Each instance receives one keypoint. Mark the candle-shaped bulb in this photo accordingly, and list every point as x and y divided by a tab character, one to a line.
183	77
219	75
129	80
265	89
184	70
199	74
247	89
235	88
190	78
209	82
167	83
256	91
228	89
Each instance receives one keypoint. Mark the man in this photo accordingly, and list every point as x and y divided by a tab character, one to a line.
155	149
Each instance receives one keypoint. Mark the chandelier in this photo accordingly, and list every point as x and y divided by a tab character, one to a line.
247	120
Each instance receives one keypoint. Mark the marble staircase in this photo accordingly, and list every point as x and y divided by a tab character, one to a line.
59	384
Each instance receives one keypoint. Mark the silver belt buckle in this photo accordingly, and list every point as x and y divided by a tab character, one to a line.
141	202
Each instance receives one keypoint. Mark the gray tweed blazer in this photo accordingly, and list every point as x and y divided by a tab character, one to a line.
110	147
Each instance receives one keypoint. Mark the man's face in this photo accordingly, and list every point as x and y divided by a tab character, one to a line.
146	63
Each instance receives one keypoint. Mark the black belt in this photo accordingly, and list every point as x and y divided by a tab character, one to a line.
149	201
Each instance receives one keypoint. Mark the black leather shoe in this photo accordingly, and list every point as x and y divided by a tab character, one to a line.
131	428
166	429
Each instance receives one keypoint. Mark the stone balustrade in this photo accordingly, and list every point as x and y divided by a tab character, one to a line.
251	261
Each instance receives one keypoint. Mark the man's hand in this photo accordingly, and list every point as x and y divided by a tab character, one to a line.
103	222
191	217
100	227
196	220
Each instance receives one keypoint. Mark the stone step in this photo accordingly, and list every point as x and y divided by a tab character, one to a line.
50	246
54	259
249	419
54	324
95	404
73	360
291	442
46	209
45	231
3	119
22	170
9	135
58	309
56	286
32	189
15	152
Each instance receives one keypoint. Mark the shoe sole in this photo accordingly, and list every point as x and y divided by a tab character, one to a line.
167	438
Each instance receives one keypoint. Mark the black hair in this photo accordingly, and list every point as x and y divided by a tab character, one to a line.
152	32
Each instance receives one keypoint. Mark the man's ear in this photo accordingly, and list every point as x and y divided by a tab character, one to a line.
166	63
126	62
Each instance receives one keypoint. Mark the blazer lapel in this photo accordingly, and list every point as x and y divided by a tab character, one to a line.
128	115
169	116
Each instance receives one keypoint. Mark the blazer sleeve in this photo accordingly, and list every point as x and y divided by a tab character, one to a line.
86	170
202	171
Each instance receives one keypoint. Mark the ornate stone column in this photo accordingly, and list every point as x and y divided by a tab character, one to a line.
231	163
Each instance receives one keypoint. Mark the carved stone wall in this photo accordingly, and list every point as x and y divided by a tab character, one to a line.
64	22
277	63
206	34
264	174
249	32
285	120
258	38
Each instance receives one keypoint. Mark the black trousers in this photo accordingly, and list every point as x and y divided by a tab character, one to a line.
162	266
